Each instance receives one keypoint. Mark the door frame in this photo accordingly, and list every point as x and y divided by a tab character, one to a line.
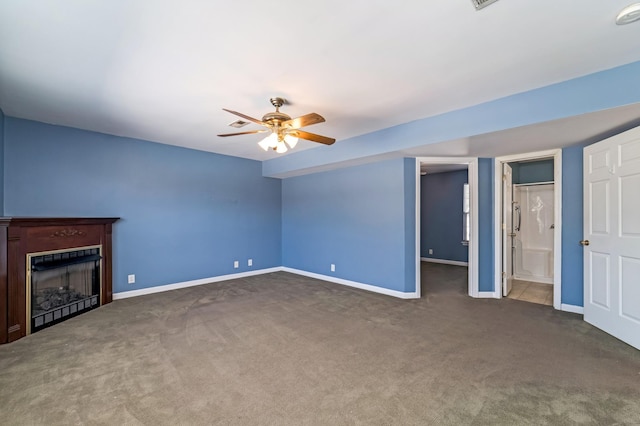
507	239
556	154
472	173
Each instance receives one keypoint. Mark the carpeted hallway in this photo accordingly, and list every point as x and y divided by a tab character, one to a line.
284	349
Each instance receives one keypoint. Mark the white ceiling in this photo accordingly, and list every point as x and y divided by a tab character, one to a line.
162	70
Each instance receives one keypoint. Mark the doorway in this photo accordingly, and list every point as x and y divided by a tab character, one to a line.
528	240
467	240
529	218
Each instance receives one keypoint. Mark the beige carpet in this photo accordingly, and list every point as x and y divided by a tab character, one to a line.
283	349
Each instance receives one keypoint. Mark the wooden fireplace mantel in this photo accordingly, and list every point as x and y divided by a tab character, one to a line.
22	235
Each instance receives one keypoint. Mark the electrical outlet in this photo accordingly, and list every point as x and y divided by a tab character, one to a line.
333	267
131	279
430	251
236	264
250	262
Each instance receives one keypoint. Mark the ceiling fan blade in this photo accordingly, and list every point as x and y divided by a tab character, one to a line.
305	120
246	117
244	133
312	137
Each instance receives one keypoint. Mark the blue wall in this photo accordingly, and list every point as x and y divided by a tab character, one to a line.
532	171
189	214
360	218
572	227
186	214
441	198
411	169
486	195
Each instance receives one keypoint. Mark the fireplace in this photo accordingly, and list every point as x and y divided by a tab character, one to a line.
51	269
61	284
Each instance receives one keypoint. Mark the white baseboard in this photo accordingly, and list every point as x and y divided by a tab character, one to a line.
368	287
488	295
572	308
394	293
185	284
445	261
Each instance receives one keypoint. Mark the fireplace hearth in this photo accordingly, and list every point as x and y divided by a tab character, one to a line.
51	269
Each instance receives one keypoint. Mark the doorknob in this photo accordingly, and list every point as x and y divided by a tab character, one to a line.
584	242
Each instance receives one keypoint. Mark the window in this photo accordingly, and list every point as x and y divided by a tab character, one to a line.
466	225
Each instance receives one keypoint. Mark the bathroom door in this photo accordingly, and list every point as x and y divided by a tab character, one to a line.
612	236
507	229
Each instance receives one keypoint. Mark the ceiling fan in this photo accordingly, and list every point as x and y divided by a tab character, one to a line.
283	129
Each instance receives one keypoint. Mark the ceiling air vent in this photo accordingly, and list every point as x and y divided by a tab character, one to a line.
480	4
238	123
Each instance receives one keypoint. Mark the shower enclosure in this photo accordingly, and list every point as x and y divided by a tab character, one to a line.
533	217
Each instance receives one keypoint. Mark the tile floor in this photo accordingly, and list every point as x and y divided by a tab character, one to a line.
529	291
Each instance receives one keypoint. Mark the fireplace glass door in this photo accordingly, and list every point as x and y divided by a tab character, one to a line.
62	284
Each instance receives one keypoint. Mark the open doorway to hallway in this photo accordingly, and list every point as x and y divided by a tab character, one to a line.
447	216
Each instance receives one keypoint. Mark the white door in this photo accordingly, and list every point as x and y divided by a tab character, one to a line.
612	236
507	229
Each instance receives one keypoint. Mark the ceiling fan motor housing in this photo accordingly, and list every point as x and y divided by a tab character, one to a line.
275	118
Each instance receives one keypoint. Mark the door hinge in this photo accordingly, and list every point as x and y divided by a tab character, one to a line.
504	275
504	177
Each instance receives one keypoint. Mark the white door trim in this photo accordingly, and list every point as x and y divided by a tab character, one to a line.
418	198
507	240
472	172
556	154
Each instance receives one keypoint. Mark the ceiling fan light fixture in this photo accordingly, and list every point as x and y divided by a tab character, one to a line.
270	141
264	144
291	140
281	148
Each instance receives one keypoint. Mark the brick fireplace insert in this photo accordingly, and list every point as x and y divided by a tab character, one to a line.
21	237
